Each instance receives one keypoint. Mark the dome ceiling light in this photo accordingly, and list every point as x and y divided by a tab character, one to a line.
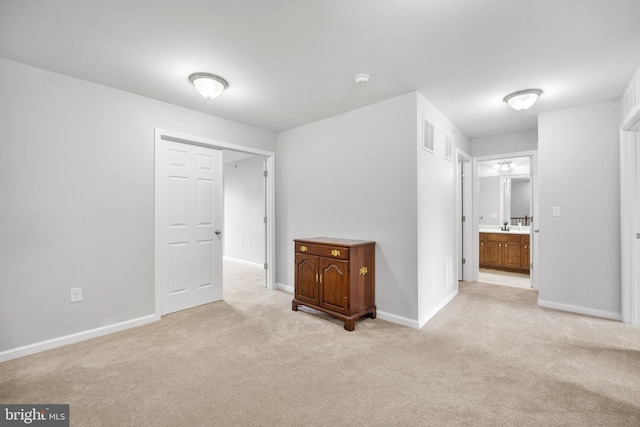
522	99
505	166
208	85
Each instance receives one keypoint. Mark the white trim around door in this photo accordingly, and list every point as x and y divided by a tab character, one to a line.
464	211
630	217
164	135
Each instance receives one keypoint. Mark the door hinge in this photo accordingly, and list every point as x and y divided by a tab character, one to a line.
266	266
265	219
531	266
464	261
464	218
637	235
266	173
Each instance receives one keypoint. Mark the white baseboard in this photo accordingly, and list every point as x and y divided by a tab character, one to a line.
397	319
242	261
437	308
26	350
580	310
284	287
379	314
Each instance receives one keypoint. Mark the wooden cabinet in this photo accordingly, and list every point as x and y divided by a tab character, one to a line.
526	252
336	276
509	252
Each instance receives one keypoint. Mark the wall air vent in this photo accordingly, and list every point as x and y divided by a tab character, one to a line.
629	98
428	135
448	147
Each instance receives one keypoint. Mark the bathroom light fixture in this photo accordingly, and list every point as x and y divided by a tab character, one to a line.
208	85
522	99
505	166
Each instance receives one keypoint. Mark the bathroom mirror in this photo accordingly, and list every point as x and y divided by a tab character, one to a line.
504	195
515	201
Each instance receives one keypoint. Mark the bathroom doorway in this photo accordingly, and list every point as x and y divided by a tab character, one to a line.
504	219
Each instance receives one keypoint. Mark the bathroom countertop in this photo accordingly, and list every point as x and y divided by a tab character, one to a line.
511	231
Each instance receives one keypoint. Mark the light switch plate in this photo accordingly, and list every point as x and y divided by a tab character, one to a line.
556	211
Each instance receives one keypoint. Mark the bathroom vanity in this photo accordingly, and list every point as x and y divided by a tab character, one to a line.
505	250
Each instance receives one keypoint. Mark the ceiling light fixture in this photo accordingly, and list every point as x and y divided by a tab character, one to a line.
505	166
361	79
522	99
208	85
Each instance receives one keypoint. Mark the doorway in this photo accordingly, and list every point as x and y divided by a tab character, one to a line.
162	138
244	242
505	207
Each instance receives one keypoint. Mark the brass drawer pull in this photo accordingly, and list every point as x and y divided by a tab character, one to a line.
335	252
303	249
364	271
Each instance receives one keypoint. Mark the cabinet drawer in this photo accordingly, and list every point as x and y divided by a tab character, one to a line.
328	251
503	238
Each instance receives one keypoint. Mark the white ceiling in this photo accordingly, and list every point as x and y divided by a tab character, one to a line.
292	62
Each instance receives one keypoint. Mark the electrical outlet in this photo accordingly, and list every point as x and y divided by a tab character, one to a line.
75	295
248	245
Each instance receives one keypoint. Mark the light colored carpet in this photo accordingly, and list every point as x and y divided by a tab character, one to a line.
491	357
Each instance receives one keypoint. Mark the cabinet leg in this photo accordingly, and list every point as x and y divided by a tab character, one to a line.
373	313
350	325
294	306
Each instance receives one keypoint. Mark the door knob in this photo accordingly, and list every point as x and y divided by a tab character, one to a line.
536	230
218	231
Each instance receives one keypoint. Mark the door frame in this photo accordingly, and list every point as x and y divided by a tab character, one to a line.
464	208
165	135
534	239
629	217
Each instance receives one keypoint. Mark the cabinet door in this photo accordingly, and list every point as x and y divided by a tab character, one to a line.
306	278
512	254
524	263
334	285
493	253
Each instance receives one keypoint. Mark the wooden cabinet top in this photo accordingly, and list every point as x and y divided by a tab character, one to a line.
334	241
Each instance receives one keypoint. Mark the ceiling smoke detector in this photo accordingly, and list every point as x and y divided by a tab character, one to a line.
361	79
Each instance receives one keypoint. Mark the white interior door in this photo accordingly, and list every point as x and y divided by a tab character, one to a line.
635	263
534	238
190	180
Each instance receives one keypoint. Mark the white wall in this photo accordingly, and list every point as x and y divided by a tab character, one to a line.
244	210
489	200
437	217
354	176
505	143
364	175
76	184
579	168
